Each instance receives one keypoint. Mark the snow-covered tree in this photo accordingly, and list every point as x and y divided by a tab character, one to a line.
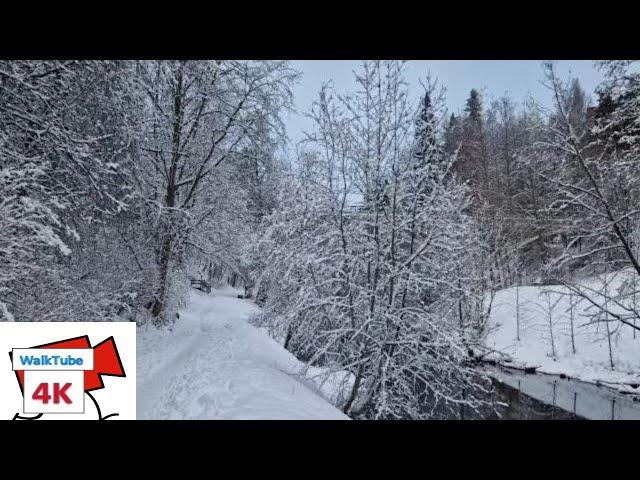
62	149
198	116
364	253
593	182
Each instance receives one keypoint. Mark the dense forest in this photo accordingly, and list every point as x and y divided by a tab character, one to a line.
376	249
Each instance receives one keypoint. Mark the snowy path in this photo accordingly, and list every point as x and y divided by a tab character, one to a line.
214	365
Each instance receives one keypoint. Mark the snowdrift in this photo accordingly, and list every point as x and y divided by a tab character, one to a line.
545	333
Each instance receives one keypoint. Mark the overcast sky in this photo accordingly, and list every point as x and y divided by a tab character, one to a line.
494	78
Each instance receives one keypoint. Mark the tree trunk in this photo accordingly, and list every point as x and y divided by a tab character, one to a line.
170	201
165	256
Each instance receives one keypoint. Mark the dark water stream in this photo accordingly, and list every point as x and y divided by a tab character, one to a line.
538	396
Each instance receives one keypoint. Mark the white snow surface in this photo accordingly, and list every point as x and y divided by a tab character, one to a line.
590	362
215	365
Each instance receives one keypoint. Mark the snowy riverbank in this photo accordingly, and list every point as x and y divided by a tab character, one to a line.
544	340
214	365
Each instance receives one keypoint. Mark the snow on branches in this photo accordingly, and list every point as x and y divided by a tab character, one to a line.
364	256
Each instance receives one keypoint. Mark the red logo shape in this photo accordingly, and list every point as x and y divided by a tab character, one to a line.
106	361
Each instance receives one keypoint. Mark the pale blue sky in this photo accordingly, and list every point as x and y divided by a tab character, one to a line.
493	78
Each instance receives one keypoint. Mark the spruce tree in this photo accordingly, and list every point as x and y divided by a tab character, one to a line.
473	163
425	135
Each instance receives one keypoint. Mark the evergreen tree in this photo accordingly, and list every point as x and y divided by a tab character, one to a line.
452	135
473	163
425	135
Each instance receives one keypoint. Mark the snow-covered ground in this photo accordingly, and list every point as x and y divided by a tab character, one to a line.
591	361
214	365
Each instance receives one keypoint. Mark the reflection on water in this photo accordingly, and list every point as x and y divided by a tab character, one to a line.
515	405
538	396
504	402
509	403
516	395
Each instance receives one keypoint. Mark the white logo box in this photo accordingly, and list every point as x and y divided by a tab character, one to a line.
52	359
117	397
